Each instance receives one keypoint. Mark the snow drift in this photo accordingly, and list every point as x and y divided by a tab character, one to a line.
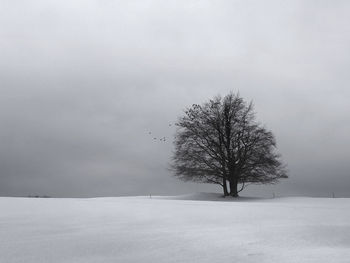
174	229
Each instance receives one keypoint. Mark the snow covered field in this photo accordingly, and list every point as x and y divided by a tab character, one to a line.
178	229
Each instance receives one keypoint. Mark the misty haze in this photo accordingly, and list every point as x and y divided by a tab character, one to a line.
174	131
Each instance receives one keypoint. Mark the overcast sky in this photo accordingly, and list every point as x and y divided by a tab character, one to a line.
84	82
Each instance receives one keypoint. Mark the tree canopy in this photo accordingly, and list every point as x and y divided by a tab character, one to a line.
220	142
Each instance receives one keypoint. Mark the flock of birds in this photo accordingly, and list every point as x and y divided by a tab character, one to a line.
162	139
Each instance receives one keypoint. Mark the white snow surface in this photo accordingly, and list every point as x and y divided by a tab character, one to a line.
192	228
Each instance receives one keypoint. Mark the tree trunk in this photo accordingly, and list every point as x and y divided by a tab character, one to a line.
234	188
224	186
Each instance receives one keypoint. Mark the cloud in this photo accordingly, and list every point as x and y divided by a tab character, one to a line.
83	83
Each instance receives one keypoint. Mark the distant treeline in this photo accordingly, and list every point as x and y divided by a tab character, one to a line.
39	196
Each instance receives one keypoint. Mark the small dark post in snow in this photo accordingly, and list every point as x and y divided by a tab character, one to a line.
150	196
333	195
273	194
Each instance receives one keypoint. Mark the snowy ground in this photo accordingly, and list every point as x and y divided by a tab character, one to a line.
174	229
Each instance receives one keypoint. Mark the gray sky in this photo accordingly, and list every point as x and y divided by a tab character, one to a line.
83	82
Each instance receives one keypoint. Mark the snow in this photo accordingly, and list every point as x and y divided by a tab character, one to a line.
190	228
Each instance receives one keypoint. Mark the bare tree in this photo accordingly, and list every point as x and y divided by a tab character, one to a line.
220	142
